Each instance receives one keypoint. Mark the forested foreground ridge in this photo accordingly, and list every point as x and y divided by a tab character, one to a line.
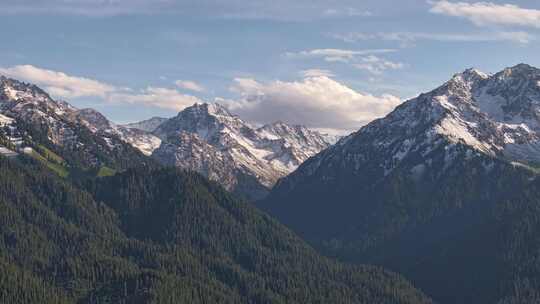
161	236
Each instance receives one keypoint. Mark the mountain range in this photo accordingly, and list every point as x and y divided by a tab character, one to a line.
60	134
443	189
206	138
246	160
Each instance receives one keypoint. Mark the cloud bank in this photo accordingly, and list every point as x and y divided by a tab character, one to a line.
58	83
317	102
61	85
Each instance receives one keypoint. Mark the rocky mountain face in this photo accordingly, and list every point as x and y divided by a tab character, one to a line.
435	189
205	138
208	139
496	115
83	137
99	124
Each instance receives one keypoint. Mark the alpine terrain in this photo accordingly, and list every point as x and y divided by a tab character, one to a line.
444	189
247	160
205	138
65	138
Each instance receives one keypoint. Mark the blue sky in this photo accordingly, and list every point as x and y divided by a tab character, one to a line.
327	64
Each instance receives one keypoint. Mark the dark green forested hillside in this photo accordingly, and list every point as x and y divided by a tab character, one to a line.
161	236
470	235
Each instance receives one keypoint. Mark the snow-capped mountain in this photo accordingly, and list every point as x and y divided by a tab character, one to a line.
209	139
205	138
148	125
496	115
431	188
85	136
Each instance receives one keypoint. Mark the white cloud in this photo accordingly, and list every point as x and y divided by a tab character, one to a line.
316	73
336	55
58	83
190	85
156	97
61	85
377	65
318	102
488	13
361	59
409	38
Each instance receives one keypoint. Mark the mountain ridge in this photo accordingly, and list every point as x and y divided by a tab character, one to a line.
408	191
207	138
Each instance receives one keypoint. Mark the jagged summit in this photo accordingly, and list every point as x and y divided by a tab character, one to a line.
472	74
205	137
496	115
209	139
84	136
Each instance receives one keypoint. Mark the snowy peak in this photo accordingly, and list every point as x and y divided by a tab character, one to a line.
224	140
18	96
15	90
495	114
205	120
471	75
521	70
472	114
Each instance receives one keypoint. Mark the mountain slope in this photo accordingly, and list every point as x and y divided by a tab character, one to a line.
81	138
161	236
204	138
141	140
208	139
428	190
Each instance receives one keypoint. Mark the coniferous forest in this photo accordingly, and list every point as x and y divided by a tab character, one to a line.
161	236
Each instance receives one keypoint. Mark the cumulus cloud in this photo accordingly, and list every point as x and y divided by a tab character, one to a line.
407	39
61	85
58	83
156	97
318	102
488	13
190	85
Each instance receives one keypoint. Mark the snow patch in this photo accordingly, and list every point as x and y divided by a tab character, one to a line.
456	131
